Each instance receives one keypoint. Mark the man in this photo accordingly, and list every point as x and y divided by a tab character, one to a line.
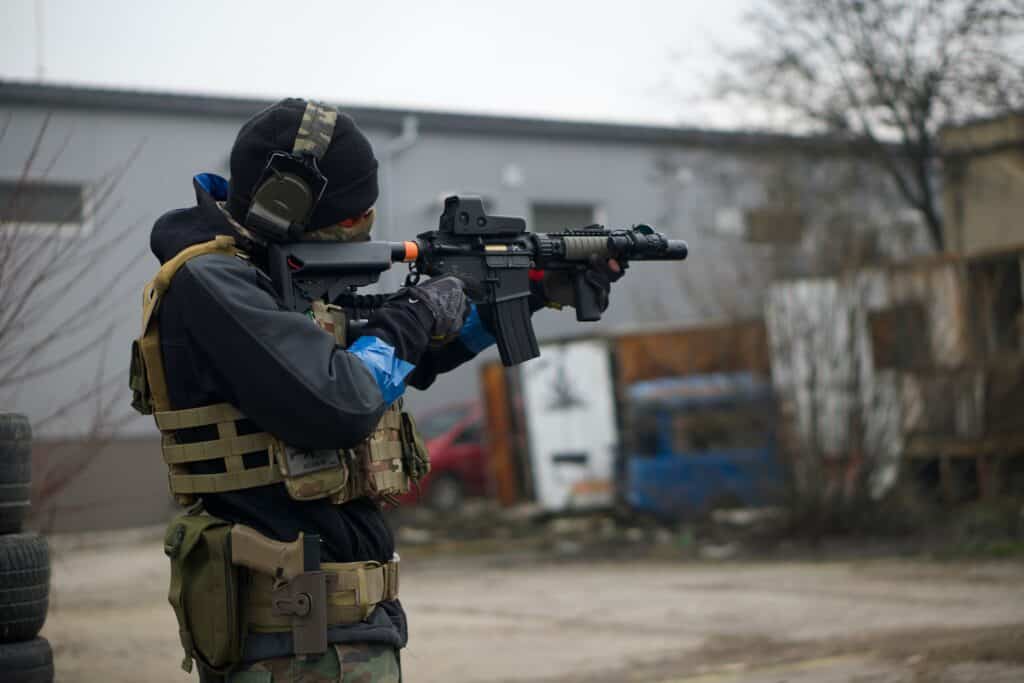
277	427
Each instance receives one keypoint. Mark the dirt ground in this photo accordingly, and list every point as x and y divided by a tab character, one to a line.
494	618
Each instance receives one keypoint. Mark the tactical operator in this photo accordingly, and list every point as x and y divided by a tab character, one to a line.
281	434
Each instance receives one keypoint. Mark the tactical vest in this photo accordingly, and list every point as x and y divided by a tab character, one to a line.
382	466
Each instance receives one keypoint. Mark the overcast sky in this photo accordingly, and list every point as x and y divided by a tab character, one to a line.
559	58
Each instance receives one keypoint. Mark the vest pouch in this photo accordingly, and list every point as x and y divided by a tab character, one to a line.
309	474
415	457
142	397
205	590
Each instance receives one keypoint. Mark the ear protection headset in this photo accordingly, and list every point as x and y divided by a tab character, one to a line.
291	184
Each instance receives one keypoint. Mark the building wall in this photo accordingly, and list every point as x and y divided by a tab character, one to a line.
984	190
679	184
163	151
882	364
166	150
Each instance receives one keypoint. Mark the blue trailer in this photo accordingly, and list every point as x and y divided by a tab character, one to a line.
698	442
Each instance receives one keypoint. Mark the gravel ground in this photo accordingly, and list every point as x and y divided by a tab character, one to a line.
516	619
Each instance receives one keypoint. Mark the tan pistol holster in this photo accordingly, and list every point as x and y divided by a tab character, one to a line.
229	580
291	590
383	466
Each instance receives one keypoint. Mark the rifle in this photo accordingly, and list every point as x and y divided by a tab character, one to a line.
492	255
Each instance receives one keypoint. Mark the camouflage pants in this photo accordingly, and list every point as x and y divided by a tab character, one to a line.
343	663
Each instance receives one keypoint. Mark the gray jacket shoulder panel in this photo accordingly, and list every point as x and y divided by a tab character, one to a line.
286	374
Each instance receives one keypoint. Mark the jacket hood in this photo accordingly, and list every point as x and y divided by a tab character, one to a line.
182	228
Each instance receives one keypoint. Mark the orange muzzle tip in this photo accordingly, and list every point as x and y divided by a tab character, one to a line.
412	251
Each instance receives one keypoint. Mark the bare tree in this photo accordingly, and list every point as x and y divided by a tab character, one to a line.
886	74
48	322
797	214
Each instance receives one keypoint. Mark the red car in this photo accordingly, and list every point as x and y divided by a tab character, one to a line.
454	436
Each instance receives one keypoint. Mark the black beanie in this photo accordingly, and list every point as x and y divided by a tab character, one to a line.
348	164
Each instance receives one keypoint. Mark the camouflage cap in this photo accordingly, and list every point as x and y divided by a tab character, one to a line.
348	162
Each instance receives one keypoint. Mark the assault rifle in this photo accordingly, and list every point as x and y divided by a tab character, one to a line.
493	255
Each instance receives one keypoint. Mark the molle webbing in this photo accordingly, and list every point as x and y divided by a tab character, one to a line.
377	467
228	447
149	342
190	418
385	463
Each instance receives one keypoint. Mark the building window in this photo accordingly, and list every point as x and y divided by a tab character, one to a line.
41	204
735	428
761	225
899	337
555	217
644	435
774	225
997	298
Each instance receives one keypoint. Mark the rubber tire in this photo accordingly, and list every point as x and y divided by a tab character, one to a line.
30	661
445	494
24	586
15	471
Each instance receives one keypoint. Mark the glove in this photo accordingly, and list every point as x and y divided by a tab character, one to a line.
445	298
556	289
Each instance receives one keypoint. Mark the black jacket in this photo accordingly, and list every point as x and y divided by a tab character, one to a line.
225	337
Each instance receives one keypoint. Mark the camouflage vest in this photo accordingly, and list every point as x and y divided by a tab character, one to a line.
382	466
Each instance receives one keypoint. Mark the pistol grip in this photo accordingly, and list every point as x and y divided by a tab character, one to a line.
588	307
253	550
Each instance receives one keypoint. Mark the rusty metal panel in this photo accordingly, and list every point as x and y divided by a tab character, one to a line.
501	436
721	348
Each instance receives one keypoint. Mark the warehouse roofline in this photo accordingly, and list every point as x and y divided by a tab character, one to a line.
154	102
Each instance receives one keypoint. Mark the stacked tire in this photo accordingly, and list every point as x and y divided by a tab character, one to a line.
24	564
